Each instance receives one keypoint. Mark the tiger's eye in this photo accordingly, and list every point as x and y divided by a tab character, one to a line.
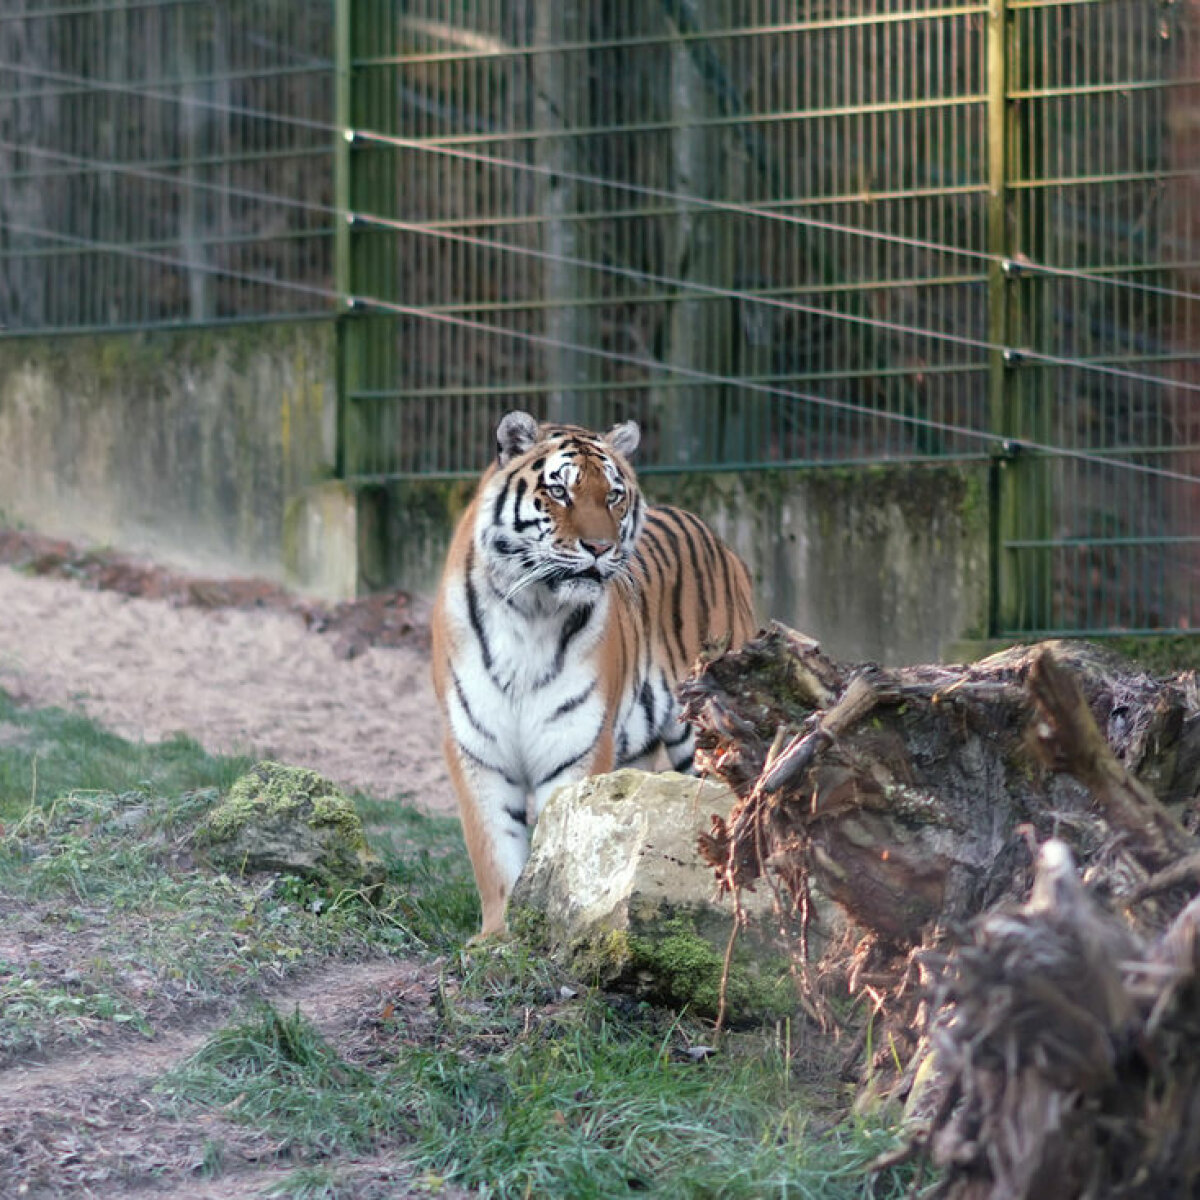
557	492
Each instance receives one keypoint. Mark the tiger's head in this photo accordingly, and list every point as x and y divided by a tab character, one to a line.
563	509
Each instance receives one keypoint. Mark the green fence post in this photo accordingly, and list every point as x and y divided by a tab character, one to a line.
1021	396
365	187
1027	477
1000	599
341	234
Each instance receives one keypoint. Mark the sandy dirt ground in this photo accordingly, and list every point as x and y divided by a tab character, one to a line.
258	680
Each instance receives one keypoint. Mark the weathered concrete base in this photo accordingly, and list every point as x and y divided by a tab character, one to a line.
888	563
189	446
321	541
408	530
214	449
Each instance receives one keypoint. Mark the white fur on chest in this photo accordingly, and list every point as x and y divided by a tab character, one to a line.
526	695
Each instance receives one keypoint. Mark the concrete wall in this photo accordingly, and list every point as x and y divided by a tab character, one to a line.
206	448
214	449
883	563
887	564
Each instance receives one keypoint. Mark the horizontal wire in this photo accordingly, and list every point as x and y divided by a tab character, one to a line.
470	53
750	210
90	10
637	275
177	180
1009	444
696	202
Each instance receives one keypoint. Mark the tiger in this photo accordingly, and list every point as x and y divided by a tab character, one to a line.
568	610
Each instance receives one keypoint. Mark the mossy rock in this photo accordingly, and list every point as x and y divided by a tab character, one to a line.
671	961
616	891
291	820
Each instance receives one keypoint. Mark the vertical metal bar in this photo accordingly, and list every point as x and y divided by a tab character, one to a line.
345	364
1039	387
365	348
1003	600
563	105
373	191
341	150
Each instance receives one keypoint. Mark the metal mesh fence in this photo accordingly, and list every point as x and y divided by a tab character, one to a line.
1104	183
802	234
147	179
776	234
742	225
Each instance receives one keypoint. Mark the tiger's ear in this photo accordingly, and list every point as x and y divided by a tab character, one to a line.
624	438
516	432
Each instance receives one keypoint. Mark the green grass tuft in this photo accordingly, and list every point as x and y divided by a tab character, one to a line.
582	1101
277	1072
433	896
501	1076
46	753
112	877
113	880
600	1109
313	1183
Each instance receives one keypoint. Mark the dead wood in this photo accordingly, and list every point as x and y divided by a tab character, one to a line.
903	803
1071	741
1184	873
1064	1045
907	795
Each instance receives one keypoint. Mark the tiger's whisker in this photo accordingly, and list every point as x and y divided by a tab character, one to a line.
535	575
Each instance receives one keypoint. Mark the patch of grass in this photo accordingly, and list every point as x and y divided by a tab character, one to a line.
602	1111
103	871
276	1071
1167	655
431	886
108	882
395	825
47	752
496	1074
433	896
311	1183
25	999
585	1101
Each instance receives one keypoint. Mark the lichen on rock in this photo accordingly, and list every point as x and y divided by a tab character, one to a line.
292	820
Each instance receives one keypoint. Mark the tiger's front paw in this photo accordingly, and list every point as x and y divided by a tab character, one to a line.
490	937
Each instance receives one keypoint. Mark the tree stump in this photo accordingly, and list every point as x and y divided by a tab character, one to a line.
1057	1007
912	796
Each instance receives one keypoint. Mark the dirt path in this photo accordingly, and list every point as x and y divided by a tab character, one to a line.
254	680
89	1124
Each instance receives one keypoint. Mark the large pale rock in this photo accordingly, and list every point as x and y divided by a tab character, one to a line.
290	819
615	889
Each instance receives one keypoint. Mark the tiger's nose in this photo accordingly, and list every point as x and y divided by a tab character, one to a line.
596	546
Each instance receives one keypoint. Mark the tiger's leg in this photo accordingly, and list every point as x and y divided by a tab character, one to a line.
596	762
492	809
679	741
